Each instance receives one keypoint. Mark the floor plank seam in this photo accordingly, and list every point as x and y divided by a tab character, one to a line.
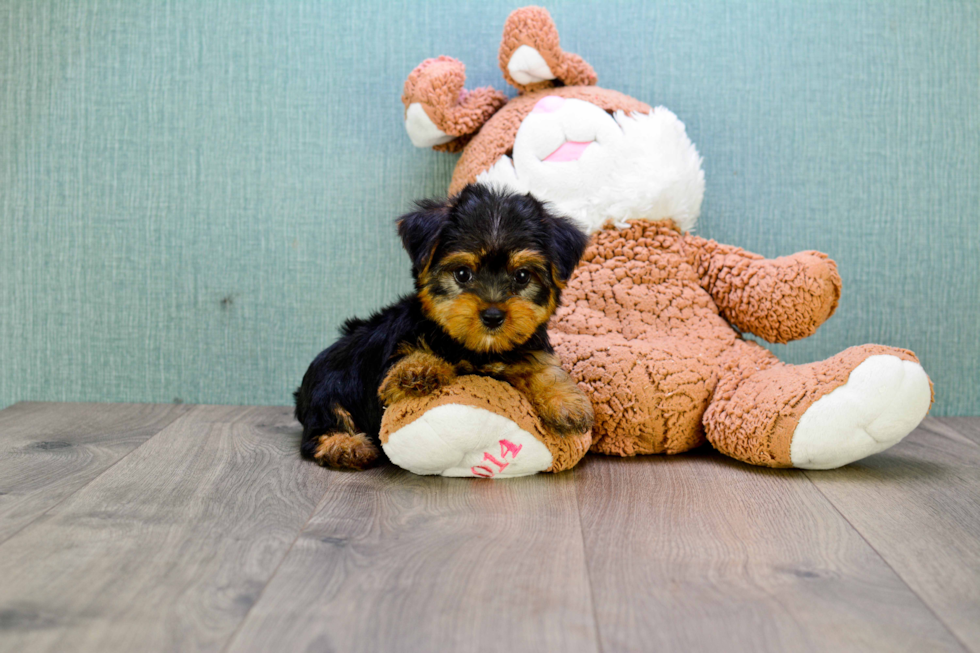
299	534
888	564
93	479
963	439
588	571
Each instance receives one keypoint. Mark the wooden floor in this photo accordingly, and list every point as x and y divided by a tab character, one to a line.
184	528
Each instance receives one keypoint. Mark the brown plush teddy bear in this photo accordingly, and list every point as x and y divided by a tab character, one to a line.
652	321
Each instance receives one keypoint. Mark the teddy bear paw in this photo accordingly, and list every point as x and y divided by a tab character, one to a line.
883	400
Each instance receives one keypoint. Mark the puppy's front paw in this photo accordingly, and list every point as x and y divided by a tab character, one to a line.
346	451
417	375
566	413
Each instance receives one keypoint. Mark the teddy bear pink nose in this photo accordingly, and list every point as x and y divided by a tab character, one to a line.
548	104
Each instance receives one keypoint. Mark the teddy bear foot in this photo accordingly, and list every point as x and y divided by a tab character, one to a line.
478	427
883	400
454	440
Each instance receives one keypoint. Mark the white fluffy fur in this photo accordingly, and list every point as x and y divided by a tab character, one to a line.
639	166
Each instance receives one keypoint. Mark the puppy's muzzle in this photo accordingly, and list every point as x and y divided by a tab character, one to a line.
492	317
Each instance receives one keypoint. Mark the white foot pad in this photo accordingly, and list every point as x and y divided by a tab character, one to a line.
421	130
456	440
884	398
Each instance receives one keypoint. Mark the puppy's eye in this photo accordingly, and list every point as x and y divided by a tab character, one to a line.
521	277
462	275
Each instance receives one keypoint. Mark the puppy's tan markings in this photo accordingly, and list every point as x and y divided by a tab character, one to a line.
418	374
460	259
347	449
460	317
458	312
345	419
527	258
496	368
561	404
555	279
532	260
523	319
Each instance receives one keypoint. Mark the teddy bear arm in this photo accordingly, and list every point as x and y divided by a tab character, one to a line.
780	299
439	112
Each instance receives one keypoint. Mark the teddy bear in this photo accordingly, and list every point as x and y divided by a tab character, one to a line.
653	318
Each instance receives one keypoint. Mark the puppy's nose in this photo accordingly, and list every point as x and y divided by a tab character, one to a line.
492	317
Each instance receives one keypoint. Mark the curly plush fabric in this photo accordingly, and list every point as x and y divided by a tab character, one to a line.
645	331
779	300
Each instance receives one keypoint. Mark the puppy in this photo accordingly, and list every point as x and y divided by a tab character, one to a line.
489	268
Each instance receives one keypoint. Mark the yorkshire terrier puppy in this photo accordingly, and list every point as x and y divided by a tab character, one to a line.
489	268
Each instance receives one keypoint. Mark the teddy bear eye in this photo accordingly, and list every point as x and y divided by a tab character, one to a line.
462	275
522	276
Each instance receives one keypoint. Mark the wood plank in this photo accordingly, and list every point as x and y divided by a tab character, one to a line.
957	427
702	553
397	562
918	505
169	548
48	451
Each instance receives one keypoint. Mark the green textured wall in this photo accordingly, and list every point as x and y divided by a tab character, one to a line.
193	195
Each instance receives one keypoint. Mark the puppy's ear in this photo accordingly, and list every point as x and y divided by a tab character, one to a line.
568	243
420	231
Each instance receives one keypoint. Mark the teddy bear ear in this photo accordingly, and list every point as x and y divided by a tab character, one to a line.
531	57
439	112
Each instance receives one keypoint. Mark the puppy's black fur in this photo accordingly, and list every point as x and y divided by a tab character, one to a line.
444	315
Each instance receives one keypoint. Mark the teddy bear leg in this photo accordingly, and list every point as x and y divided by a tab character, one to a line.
648	397
822	415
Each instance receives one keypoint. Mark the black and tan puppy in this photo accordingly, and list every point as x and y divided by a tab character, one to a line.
489	268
